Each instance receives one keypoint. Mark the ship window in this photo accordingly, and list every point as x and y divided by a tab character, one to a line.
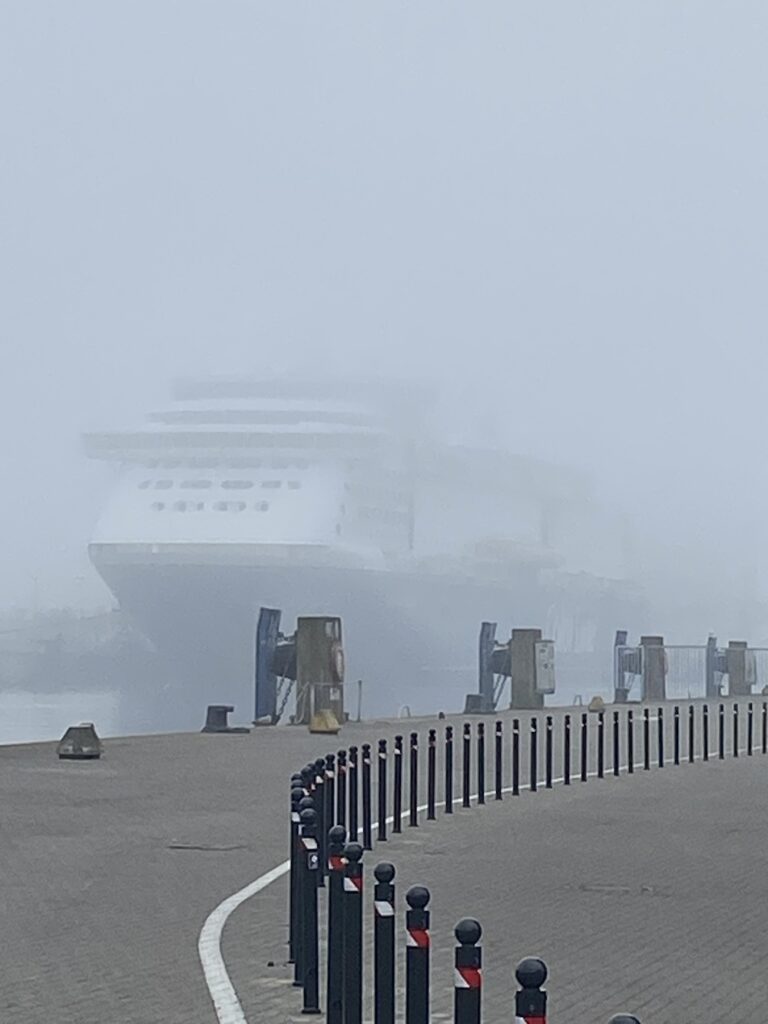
158	506
237	485
195	485
145	484
273	484
163	485
229	506
261	506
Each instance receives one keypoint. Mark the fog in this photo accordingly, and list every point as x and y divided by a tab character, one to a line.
554	215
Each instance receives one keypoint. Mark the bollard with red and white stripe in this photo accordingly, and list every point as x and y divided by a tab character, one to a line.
417	956
531	1000
341	788
353	934
384	945
310	952
337	836
306	803
468	975
330	795
322	825
297	794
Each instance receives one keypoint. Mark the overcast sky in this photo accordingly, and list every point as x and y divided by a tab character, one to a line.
556	210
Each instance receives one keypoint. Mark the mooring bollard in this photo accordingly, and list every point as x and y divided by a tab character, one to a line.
417	956
353	934
382	792
468	974
749	729
481	772
735	730
465	764
531	1000
448	769
366	779
306	803
310	953
630	742
354	791
584	751
322	827
646	739
341	787
676	735
691	734
567	750
533	740
397	793
660	734
705	732
616	749
431	770
516	757
721	732
384	945
600	744
765	727
337	837
498	761
548	753
413	818
297	794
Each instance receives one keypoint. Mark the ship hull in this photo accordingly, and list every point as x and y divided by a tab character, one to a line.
410	637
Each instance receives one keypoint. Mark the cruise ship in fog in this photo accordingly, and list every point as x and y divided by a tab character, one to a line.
330	498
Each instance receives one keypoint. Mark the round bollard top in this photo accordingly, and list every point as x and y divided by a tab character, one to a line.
337	834
531	972
353	852
366	748
417	897
297	795
306	804
308	816
624	1018
384	872
353	749
320	764
329	759
341	756
468	931
296	779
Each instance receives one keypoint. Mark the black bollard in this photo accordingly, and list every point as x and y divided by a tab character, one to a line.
721	732
533	780
548	752
366	781
691	734
397	782
353	934
417	956
516	757
765	727
749	729
616	749
297	794
341	787
498	762
676	735
531	1000
310	953
308	775
600	744
384	945
413	818
584	747
431	770
646	739
465	765
306	803
567	750
354	791
335	968
468	975
630	742
449	769
330	795
481	762
735	730
660	736
382	792
705	732
322	827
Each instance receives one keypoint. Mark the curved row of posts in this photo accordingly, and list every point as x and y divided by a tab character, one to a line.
332	802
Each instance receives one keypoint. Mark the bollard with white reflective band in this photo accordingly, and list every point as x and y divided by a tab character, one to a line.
297	794
417	956
337	836
468	975
341	788
310	952
353	934
384	945
322	824
531	1000
306	803
353	792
